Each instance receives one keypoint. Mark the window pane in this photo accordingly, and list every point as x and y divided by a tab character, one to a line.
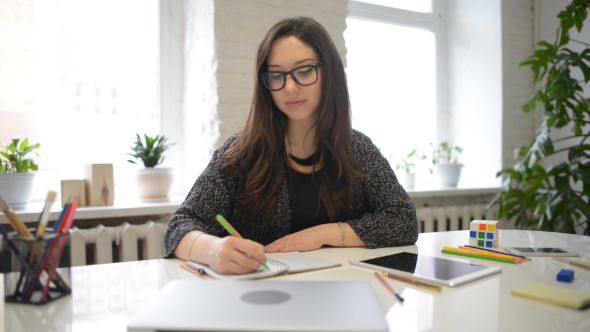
392	81
95	86
422	6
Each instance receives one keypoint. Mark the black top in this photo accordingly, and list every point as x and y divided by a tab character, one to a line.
304	199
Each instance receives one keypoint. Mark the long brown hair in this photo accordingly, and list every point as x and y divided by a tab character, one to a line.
260	154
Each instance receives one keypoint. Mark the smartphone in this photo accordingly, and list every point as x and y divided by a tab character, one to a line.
541	252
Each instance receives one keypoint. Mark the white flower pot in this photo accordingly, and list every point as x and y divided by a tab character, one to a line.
447	175
16	188
153	184
406	179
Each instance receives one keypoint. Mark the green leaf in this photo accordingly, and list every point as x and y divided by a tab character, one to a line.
581	205
24	144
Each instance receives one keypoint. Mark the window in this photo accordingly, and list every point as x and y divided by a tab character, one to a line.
392	75
95	87
422	6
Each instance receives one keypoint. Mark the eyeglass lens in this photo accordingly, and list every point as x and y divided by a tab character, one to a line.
306	75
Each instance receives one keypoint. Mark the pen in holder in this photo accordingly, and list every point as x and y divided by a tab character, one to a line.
36	270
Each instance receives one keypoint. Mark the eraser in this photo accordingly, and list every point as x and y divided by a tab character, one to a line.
565	275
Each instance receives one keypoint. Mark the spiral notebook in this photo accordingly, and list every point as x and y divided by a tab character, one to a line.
289	262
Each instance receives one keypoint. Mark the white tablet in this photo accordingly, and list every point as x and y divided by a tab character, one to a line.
436	270
541	252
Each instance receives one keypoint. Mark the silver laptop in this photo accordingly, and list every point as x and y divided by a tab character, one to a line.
214	305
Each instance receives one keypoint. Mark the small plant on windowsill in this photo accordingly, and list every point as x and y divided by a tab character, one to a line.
446	154
446	166
407	165
153	183
149	151
14	157
16	180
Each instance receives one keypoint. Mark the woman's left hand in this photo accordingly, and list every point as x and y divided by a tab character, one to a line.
308	239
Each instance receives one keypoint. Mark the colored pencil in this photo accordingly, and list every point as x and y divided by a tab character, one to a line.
65	228
493	252
388	286
45	255
579	263
413	281
479	256
503	253
484	253
53	268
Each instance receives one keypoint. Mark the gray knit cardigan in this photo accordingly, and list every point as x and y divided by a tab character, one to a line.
382	215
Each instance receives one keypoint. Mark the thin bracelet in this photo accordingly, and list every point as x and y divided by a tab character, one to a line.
190	249
342	233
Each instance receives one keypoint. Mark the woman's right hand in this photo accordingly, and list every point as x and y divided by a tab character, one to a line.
232	255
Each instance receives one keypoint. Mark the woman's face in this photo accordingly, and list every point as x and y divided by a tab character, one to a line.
298	102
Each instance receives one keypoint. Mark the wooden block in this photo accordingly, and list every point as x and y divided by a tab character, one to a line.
100	186
71	189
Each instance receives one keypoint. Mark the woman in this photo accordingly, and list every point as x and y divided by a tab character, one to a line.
297	177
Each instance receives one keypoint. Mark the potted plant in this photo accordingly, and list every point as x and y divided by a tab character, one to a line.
153	183
537	194
16	182
407	178
446	166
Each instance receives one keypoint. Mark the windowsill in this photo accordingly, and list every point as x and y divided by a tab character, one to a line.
436	191
129	207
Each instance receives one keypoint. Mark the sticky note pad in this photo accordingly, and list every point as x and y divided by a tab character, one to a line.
554	295
565	275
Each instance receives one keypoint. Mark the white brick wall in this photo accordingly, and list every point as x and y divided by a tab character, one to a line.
486	41
16	61
474	87
518	128
200	121
239	27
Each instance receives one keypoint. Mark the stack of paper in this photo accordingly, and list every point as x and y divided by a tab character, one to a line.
554	295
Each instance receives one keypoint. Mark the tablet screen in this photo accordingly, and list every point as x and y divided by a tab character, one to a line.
425	266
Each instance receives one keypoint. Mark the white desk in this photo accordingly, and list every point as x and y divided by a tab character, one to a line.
106	296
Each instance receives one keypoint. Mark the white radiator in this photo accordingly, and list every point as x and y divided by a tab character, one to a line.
452	217
124	236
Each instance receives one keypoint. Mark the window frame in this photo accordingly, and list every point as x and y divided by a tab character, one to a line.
433	22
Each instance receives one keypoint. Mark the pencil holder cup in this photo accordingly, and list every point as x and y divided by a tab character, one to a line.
36	270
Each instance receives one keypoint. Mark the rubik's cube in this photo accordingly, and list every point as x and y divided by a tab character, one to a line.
484	233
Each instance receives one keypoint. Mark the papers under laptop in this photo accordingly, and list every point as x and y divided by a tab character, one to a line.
213	305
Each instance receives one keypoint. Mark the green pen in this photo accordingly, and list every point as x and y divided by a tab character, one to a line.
232	231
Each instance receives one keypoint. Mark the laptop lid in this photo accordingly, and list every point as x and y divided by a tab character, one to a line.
215	305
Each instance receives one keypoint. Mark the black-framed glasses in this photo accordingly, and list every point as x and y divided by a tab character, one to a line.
304	75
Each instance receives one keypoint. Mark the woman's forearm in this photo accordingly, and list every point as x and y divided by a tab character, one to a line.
344	235
193	246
